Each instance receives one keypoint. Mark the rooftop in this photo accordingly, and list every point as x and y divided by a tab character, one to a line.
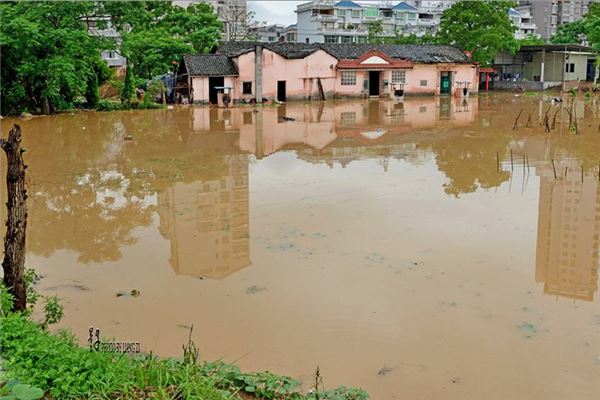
426	54
209	65
347	4
560	47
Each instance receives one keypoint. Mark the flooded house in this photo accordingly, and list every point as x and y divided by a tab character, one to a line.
300	71
546	66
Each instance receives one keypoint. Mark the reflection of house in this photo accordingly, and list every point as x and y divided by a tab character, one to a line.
288	71
207	221
568	230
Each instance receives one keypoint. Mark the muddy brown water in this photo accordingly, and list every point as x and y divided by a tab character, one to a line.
393	245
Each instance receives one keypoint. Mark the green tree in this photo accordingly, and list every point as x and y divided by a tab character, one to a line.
46	55
92	94
531	40
128	86
591	23
156	34
587	28
569	33
375	32
482	27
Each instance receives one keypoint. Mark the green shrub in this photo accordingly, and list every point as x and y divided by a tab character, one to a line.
108	105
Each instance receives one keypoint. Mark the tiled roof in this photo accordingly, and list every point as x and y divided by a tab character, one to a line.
209	65
404	7
284	49
346	4
427	54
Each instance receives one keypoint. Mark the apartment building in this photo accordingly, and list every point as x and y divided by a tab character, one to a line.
550	14
523	20
328	21
267	33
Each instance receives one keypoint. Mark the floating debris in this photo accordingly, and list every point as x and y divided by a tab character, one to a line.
255	289
384	371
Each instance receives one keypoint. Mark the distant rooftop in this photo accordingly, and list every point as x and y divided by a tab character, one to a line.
347	4
404	7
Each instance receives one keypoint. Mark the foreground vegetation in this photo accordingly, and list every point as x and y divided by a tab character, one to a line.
39	363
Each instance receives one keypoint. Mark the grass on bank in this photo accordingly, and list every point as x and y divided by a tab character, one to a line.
37	362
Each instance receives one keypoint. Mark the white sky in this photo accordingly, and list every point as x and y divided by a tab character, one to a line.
275	12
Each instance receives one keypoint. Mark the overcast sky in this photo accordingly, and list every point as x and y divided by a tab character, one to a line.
275	12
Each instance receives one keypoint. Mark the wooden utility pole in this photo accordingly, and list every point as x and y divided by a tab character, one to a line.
16	223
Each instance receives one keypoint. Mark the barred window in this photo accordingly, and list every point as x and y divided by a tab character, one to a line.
348	78
398	76
348	118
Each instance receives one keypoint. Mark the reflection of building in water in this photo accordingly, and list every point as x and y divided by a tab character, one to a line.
348	131
568	230
207	221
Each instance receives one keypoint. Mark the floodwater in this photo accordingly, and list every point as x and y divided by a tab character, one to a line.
396	246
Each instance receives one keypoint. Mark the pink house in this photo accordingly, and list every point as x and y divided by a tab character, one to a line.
298	71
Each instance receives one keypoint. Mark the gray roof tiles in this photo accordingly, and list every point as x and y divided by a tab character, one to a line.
427	54
210	65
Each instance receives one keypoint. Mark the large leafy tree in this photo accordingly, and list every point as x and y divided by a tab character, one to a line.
569	33
375	32
587	28
482	27
47	55
155	34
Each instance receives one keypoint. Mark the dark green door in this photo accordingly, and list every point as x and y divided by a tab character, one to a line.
445	82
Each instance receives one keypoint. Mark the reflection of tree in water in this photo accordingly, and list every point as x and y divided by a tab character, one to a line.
470	162
79	200
90	188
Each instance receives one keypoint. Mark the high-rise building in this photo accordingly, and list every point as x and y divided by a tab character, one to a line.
207	221
549	15
568	248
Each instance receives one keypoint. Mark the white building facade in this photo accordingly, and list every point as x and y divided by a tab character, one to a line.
346	21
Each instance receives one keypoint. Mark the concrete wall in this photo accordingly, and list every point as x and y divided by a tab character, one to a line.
422	79
302	75
200	91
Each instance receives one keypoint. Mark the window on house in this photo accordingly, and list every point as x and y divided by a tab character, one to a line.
423	82
347	39
331	39
348	78
307	40
341	13
398	76
247	118
246	87
570	67
412	16
361	39
371	12
271	38
355	13
348	118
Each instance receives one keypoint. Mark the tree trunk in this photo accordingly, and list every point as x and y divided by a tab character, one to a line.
16	224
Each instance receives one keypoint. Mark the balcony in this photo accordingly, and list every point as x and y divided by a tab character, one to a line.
324	17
